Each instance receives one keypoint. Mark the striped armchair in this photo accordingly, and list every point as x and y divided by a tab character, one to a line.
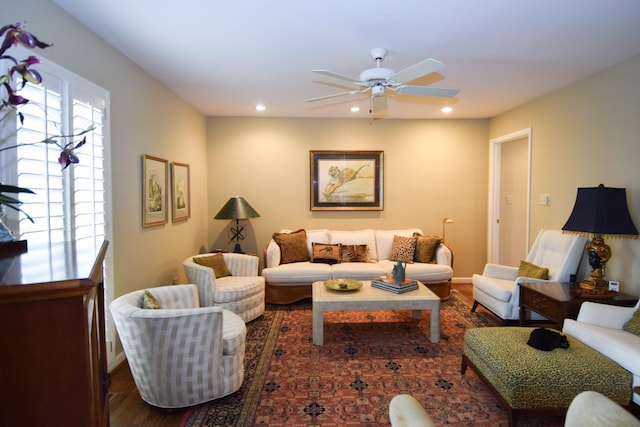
242	292
182	354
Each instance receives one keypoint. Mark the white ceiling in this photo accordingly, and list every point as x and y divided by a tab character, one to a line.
225	57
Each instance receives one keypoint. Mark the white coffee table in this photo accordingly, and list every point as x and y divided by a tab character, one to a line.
370	298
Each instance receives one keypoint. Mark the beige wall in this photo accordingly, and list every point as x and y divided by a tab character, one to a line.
146	118
432	169
583	135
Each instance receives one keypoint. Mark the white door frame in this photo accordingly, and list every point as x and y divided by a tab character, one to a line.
495	149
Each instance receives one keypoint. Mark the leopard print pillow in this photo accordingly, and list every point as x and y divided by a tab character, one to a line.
403	249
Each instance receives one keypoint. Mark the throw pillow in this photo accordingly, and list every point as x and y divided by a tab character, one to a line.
633	325
403	249
426	248
150	301
355	253
214	262
293	246
325	253
533	271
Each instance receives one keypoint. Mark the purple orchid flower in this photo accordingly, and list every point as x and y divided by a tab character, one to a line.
67	156
15	34
28	75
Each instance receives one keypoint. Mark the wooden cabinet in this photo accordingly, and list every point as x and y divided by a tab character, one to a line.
53	367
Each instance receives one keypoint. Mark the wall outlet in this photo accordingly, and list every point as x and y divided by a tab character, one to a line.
544	200
614	286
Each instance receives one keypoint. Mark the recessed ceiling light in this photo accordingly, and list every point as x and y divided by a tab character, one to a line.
260	107
447	109
355	109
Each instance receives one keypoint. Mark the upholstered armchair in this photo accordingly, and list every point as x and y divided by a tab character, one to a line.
180	354
242	292
497	287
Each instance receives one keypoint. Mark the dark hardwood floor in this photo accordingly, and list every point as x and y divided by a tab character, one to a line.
128	409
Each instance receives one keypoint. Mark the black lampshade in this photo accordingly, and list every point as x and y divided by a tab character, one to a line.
237	208
601	210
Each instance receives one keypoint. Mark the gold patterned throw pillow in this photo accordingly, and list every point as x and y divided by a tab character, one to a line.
293	246
325	253
426	248
403	249
355	253
633	325
214	262
533	271
150	302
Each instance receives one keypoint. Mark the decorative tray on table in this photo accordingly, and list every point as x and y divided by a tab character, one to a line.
342	284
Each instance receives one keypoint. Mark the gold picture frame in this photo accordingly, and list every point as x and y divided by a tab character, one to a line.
346	180
154	190
180	192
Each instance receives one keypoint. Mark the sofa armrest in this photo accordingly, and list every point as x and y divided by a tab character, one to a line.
608	316
241	264
444	255
203	278
271	254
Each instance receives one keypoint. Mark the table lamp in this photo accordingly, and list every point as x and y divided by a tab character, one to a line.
598	212
237	208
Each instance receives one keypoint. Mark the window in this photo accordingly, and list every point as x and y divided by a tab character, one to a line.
71	204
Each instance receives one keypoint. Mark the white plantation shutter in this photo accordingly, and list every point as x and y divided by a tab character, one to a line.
69	204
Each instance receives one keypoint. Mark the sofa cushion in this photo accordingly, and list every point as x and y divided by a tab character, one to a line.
318	236
358	270
215	262
500	289
326	253
297	273
355	253
358	237
384	240
426	248
426	273
533	271
403	249
293	246
633	325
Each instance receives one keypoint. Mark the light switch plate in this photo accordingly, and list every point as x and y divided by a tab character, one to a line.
544	199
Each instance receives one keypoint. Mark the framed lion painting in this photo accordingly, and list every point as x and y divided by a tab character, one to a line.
346	180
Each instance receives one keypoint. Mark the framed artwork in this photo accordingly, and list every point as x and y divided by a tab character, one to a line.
346	180
180	192
154	191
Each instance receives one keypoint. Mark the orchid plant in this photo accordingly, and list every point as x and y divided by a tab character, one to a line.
19	73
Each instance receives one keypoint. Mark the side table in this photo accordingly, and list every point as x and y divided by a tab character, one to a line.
557	301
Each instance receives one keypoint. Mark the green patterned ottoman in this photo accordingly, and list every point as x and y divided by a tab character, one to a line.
533	381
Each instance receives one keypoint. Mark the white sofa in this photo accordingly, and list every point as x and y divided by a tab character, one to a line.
287	283
600	327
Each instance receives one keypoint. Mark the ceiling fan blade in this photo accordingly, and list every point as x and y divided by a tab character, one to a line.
336	75
379	104
426	91
418	70
351	92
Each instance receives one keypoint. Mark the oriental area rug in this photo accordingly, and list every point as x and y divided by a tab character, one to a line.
367	358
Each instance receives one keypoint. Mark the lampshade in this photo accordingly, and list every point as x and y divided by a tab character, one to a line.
237	208
601	210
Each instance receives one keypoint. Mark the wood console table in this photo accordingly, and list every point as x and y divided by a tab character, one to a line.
53	365
557	301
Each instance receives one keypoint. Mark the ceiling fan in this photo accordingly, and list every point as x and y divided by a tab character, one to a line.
377	80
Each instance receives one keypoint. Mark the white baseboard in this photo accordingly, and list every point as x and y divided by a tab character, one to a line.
112	364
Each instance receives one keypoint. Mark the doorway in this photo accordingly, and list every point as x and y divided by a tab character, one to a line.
509	197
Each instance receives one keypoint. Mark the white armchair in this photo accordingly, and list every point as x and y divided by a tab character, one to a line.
242	292
182	354
600	326
497	288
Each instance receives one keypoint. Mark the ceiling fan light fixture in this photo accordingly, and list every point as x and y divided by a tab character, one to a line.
355	109
260	107
447	109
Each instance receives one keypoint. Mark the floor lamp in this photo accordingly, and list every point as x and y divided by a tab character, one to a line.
445	221
237	208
